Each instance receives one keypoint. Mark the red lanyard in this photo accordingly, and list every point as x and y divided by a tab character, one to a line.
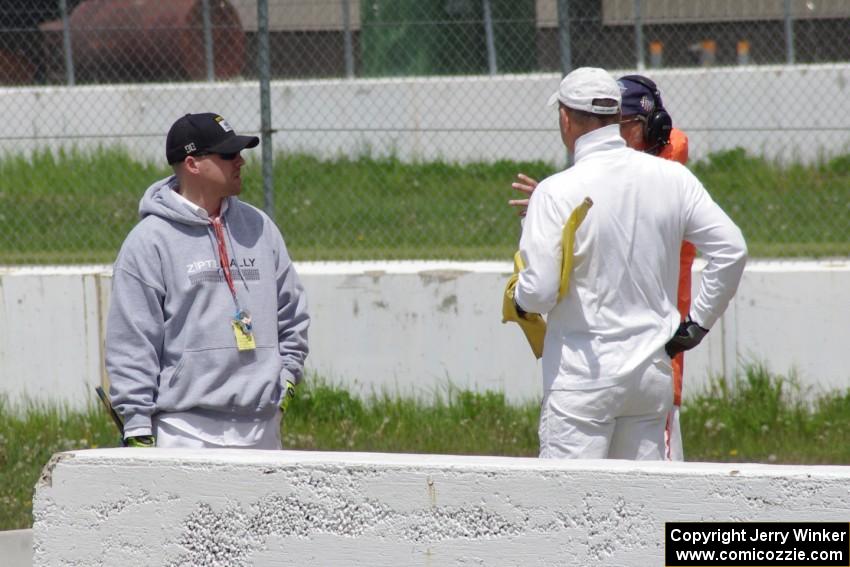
218	228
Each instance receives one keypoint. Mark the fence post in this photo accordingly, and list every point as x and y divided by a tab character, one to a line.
349	46
208	40
789	34
264	71
639	35
564	36
66	42
488	34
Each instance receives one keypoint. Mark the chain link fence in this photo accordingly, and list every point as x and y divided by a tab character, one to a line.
396	126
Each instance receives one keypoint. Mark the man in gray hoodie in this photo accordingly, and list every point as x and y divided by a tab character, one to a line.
207	330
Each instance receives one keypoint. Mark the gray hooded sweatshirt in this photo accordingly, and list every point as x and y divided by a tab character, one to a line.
170	345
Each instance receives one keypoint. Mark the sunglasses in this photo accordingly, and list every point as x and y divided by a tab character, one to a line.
225	157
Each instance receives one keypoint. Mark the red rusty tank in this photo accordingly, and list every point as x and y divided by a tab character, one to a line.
154	39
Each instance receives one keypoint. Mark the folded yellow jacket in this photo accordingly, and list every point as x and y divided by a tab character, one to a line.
532	324
568	238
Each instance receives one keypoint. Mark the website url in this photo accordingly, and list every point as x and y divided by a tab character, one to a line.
708	555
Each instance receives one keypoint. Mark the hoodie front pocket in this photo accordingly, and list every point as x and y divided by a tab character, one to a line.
222	379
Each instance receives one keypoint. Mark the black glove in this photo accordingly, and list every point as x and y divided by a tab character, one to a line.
288	395
687	336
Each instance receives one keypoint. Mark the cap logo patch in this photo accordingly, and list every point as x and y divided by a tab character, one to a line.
647	104
190	147
223	123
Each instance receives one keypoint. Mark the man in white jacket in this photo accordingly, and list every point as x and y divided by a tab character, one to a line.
606	357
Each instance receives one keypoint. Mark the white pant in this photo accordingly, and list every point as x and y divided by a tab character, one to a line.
624	421
187	430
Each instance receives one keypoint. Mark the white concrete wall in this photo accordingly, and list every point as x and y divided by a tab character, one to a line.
52	325
414	328
232	508
771	111
16	548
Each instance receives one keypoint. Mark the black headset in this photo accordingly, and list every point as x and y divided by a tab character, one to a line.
658	122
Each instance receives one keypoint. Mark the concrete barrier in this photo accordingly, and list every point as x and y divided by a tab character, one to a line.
16	548
413	328
765	109
267	508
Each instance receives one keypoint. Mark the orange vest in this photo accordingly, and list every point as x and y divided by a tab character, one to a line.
677	150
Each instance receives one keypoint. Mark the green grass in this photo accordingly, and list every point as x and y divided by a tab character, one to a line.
464	423
792	210
28	437
757	417
73	207
766	418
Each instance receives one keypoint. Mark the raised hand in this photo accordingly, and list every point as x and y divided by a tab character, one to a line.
524	184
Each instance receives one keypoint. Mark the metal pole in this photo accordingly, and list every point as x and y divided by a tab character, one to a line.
349	48
789	34
264	71
564	43
66	41
639	36
208	39
564	36
488	33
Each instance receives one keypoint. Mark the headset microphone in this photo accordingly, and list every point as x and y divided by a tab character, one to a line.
658	122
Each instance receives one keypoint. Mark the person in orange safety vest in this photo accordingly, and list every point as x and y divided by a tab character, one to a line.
646	126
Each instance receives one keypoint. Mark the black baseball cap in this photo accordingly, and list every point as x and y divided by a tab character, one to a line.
638	96
204	133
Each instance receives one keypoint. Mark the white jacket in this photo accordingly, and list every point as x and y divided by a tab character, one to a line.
620	309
